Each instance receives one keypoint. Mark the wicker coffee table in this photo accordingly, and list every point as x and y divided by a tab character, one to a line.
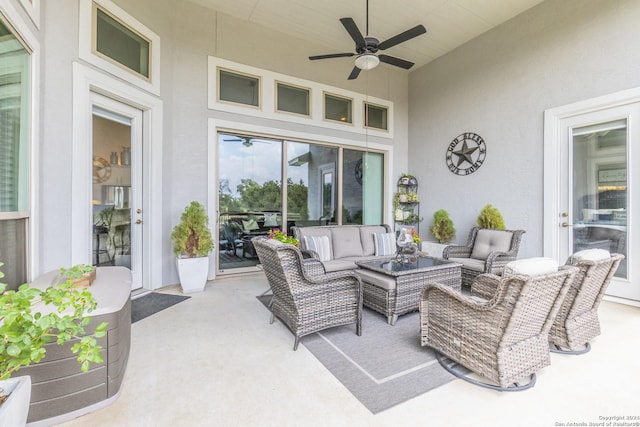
393	288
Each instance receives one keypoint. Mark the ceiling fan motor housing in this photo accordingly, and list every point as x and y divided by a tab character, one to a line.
371	45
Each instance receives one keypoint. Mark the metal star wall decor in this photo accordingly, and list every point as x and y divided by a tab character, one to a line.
469	151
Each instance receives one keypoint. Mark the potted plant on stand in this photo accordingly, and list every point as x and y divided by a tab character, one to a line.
192	243
29	319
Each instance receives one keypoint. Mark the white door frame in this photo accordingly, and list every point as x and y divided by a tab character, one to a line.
86	81
556	164
136	124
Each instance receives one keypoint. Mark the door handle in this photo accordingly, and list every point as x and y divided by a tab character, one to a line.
566	224
138	221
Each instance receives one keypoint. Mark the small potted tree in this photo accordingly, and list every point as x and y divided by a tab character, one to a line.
192	243
442	228
29	319
490	217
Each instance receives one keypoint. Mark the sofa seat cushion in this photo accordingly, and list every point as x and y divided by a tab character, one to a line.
488	241
346	242
339	265
367	235
531	267
380	280
470	263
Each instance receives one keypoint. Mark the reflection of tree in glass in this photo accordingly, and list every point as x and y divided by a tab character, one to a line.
266	197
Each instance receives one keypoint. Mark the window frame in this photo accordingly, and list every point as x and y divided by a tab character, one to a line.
94	42
241	74
276	92
350	122
365	111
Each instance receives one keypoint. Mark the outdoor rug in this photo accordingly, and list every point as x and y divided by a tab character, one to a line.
382	368
152	303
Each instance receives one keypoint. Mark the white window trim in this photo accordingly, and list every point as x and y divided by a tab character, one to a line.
316	118
152	84
25	32
32	7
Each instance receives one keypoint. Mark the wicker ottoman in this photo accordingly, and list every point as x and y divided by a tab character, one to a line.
392	288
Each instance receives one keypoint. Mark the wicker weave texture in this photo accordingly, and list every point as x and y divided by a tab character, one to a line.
503	339
405	298
577	322
305	298
495	262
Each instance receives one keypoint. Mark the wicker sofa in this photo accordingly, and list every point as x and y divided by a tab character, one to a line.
340	246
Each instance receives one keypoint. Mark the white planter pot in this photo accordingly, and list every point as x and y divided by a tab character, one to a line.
15	409
193	273
433	249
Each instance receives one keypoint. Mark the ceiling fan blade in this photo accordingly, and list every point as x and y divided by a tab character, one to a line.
395	61
331	55
354	73
402	37
353	31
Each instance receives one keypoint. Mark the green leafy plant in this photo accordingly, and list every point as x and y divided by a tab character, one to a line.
276	234
30	318
77	271
192	235
490	217
442	228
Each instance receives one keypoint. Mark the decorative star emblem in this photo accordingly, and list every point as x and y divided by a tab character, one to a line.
466	147
464	154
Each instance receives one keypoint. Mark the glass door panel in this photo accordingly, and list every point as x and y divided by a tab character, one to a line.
311	184
111	189
362	187
249	197
600	189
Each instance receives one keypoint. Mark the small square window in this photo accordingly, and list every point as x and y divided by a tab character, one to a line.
121	44
292	99
238	88
375	116
337	108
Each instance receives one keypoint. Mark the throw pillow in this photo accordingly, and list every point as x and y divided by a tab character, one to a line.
319	244
271	220
590	255
531	266
250	225
385	244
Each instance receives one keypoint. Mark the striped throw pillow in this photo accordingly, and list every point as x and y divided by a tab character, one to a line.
385	244
320	244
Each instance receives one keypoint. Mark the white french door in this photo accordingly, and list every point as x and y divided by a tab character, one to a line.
591	196
117	196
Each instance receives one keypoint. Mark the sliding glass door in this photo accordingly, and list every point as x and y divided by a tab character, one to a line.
325	184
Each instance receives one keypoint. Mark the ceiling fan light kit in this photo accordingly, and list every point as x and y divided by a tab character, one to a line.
367	47
367	61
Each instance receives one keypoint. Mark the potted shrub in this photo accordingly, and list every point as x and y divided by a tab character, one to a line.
29	319
442	228
490	217
192	243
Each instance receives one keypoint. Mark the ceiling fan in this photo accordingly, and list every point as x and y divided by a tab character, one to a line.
367	47
247	142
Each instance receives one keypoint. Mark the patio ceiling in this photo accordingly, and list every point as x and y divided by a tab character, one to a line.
449	23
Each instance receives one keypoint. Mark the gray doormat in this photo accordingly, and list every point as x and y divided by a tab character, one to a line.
382	368
152	303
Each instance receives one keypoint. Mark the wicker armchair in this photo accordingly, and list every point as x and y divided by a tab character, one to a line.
306	298
486	251
577	321
504	339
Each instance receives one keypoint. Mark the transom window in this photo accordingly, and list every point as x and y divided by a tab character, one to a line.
121	44
239	88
